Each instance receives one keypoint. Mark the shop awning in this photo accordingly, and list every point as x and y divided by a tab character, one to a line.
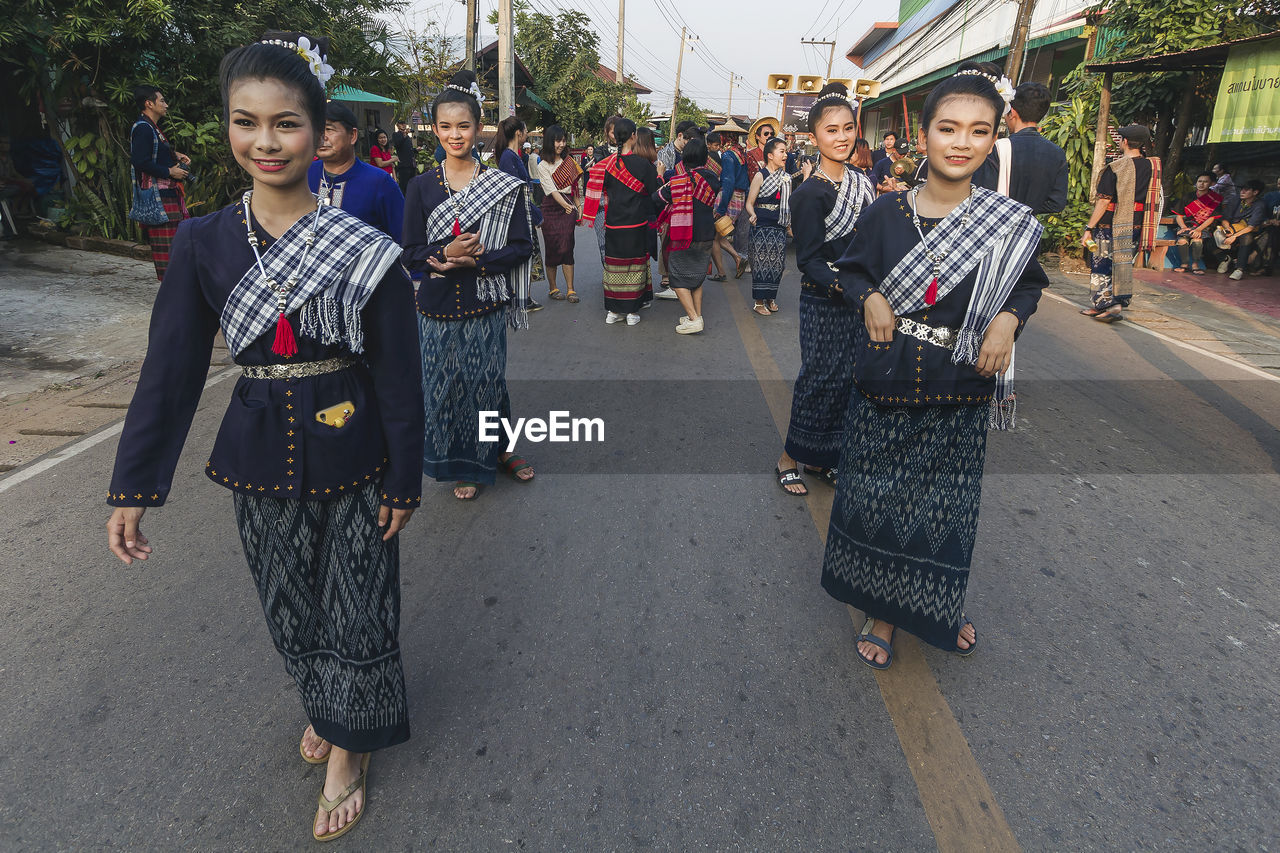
347	93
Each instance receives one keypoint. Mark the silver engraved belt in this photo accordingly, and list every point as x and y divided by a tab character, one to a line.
301	369
939	337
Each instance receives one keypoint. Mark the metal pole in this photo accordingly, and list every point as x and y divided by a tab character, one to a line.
506	60
676	103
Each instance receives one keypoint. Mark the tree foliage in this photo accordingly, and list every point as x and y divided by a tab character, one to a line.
1134	29
688	110
562	54
85	56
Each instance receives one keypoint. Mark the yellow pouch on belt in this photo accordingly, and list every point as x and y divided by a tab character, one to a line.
337	416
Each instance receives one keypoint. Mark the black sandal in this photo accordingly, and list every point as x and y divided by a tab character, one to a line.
791	477
826	475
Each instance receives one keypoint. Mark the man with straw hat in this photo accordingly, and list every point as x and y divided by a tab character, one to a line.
736	172
762	130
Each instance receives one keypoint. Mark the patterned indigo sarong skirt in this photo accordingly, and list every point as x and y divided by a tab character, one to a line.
687	268
1101	280
464	373
330	588
906	515
821	393
768	259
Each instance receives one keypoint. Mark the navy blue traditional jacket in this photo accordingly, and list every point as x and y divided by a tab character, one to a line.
270	442
923	373
142	141
452	295
1038	174
810	204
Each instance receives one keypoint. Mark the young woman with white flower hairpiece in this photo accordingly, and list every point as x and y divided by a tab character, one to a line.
321	443
945	278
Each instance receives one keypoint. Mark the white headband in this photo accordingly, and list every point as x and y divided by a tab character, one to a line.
1004	86
310	53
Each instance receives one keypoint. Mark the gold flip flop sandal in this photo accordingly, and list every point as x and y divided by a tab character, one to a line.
329	805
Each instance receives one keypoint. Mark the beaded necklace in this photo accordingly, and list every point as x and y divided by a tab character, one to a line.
285	344
453	196
935	255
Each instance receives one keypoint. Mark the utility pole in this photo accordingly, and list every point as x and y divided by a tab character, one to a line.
622	13
1021	29
506	60
728	110
472	10
831	54
759	101
679	65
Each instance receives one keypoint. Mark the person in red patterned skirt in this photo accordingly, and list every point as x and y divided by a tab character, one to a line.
154	162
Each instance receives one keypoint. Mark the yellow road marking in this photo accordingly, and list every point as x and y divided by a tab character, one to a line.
958	803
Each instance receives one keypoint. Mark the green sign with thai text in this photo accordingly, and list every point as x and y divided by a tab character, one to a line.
1248	108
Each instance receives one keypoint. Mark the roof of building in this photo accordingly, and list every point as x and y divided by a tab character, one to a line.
607	74
1211	56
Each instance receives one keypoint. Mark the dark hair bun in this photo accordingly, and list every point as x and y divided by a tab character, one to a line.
840	90
463	78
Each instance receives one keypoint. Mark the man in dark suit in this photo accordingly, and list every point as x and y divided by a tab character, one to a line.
1038	174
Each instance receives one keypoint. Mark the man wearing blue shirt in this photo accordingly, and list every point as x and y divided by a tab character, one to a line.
366	192
735	180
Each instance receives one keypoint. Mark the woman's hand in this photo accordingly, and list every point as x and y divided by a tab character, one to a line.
997	345
182	158
123	536
394	520
751	216
878	314
465	244
458	263
178	173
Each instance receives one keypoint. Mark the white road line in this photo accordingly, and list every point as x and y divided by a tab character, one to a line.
1249	368
24	474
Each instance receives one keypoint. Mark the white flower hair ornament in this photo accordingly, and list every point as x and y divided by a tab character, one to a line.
310	54
1004	86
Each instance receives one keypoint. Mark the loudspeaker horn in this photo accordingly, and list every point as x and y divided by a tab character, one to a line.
867	88
780	82
809	84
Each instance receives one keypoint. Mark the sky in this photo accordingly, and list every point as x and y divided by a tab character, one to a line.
750	38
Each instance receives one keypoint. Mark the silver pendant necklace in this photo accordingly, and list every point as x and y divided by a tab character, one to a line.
281	290
935	255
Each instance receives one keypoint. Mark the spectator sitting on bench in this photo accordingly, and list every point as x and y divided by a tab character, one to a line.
1195	216
1242	219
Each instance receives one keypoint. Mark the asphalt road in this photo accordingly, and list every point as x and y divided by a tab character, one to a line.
633	651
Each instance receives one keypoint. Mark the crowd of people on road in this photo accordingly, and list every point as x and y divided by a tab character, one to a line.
912	295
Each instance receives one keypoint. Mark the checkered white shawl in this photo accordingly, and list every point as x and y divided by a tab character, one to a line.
773	183
346	263
485	208
1000	240
854	193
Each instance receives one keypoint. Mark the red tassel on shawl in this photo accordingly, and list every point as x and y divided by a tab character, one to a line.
931	295
285	343
457	227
